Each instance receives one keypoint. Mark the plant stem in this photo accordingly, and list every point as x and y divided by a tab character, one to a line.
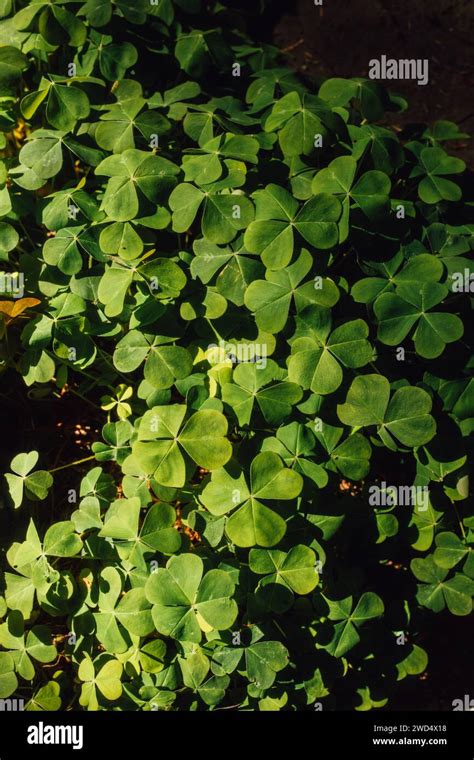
72	464
27	234
107	358
84	398
459	521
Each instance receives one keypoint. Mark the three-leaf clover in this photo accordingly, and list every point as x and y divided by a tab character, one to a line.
370	193
286	573
163	278
434	165
270	299
118	401
134	176
134	543
203	165
35	644
195	669
385	275
22	482
350	457
262	659
164	364
252	522
117	442
120	614
436	593
103	680
237	268
186	601
277	219
317	353
299	120
223	215
251	384
348	620
66	103
165	445
406	416
397	313
117	128
295	444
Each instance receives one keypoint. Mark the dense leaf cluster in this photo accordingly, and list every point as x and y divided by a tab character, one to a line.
269	287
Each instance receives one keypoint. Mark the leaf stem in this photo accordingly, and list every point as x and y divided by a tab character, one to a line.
72	464
459	521
84	398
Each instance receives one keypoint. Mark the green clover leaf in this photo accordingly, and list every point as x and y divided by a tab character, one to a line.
252	522
346	633
134	176
419	269
8	679
165	445
350	457
436	593
22	482
118	126
370	193
23	647
187	601
223	215
397	313
299	119
271	299
286	573
277	219
195	668
164	364
262	660
251	384
316	351
295	444
103	682
134	543
120	615
435	164
237	269
406	416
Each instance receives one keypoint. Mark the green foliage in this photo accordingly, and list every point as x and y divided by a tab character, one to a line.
263	291
22	482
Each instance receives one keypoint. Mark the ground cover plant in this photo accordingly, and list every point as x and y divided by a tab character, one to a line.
263	294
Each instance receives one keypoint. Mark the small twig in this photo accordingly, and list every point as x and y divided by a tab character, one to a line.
293	46
84	398
465	118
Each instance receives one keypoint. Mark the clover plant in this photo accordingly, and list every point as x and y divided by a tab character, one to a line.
263	289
